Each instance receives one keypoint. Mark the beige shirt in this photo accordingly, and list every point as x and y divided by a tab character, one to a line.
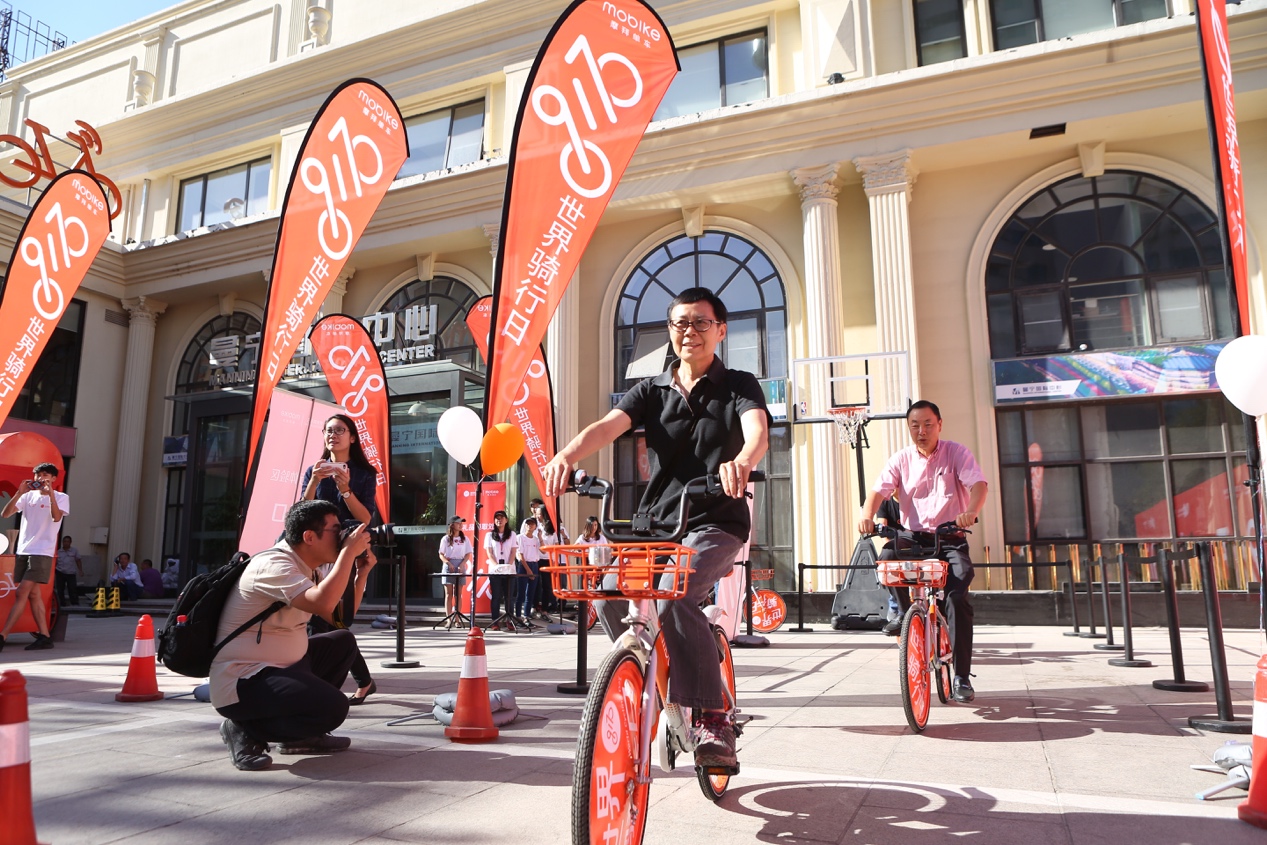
277	574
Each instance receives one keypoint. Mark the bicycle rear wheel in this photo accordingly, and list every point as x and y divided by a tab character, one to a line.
714	786
608	805
913	669
944	660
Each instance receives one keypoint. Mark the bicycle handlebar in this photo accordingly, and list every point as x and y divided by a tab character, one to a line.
643	527
944	530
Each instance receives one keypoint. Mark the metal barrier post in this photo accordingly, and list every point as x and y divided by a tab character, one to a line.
1179	683
1225	721
1073	602
1108	644
581	685
800	601
1090	633
400	662
1128	659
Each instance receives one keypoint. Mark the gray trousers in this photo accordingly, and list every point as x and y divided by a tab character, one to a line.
694	673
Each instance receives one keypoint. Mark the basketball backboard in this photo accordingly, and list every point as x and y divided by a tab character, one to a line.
878	382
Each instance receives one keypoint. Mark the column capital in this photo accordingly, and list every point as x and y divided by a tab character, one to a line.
345	276
887	173
818	182
493	231
143	309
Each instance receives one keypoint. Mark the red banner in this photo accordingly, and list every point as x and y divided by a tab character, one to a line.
58	243
596	82
533	409
352	152
350	361
492	500
1217	64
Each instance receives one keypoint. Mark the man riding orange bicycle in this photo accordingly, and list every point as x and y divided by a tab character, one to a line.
699	418
936	481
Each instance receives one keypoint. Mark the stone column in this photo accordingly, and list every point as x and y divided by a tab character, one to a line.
888	181
823	484
334	299
129	452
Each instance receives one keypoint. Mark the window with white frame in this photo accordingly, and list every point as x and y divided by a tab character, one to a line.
1019	22
939	31
719	73
224	195
444	138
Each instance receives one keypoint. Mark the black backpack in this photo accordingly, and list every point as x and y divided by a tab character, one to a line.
189	647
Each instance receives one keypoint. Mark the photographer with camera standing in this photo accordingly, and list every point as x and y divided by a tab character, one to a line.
345	478
277	684
42	510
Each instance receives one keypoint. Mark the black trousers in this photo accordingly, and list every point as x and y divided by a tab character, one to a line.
67	587
360	669
301	701
957	608
503	589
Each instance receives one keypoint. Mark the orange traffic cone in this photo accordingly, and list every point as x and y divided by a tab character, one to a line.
142	682
1254	810
473	714
15	762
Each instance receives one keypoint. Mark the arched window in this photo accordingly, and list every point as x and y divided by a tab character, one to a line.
756	340
1133	444
451	300
223	348
1118	261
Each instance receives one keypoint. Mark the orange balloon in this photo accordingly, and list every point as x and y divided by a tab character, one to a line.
503	445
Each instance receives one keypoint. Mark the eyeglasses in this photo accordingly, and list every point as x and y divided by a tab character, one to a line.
337	432
323	529
700	325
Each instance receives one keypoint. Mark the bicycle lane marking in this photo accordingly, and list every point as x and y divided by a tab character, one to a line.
1058	802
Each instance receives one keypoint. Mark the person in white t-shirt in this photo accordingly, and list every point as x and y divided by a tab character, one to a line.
500	546
455	555
529	554
42	509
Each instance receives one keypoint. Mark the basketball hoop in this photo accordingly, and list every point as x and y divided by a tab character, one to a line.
849	421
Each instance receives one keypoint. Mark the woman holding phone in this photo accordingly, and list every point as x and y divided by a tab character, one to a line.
343	476
346	478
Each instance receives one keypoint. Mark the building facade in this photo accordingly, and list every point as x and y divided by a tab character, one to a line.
1019	196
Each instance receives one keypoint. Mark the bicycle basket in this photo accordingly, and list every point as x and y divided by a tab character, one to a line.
641	570
912	573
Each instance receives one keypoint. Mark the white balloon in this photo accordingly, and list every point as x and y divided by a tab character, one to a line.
461	432
1242	373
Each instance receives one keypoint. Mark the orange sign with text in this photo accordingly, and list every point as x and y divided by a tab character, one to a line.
353	150
596	83
354	372
492	499
533	408
51	256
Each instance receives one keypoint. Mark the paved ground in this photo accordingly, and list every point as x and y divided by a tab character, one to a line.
1059	747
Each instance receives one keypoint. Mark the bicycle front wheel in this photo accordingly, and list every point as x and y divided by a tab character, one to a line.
608	805
714	786
944	659
913	668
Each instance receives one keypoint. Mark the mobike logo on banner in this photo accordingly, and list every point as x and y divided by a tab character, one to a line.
640	26
37	162
534	448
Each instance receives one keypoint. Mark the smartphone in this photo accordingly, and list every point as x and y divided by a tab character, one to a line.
338	464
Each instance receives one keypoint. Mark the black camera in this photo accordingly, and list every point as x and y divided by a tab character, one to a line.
34	485
380	535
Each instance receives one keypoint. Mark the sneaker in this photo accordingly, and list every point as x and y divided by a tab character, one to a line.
961	690
893	628
324	744
40	642
247	754
714	742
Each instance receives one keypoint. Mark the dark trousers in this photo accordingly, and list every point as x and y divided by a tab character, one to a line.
67	587
545	593
360	669
957	608
502	587
301	701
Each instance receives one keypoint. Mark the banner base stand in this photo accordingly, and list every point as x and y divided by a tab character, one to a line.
400	664
1223	726
573	689
749	641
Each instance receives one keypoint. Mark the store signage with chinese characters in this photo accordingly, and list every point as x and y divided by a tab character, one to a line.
1095	375
34	162
401	337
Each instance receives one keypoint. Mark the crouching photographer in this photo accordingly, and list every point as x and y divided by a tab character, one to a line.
275	683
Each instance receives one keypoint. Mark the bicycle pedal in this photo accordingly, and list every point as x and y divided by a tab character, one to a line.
720	770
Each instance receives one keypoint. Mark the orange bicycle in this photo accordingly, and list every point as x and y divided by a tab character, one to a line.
924	652
626	713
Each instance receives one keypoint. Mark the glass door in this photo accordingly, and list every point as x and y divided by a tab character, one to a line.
217	455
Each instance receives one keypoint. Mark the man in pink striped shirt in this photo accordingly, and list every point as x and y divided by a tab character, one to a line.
936	481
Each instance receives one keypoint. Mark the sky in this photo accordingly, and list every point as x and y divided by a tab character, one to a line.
80	20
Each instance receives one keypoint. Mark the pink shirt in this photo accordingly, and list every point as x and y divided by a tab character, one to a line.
930	490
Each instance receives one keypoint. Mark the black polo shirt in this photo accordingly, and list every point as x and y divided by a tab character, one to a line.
688	439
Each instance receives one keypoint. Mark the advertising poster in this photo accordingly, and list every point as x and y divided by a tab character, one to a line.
492	500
